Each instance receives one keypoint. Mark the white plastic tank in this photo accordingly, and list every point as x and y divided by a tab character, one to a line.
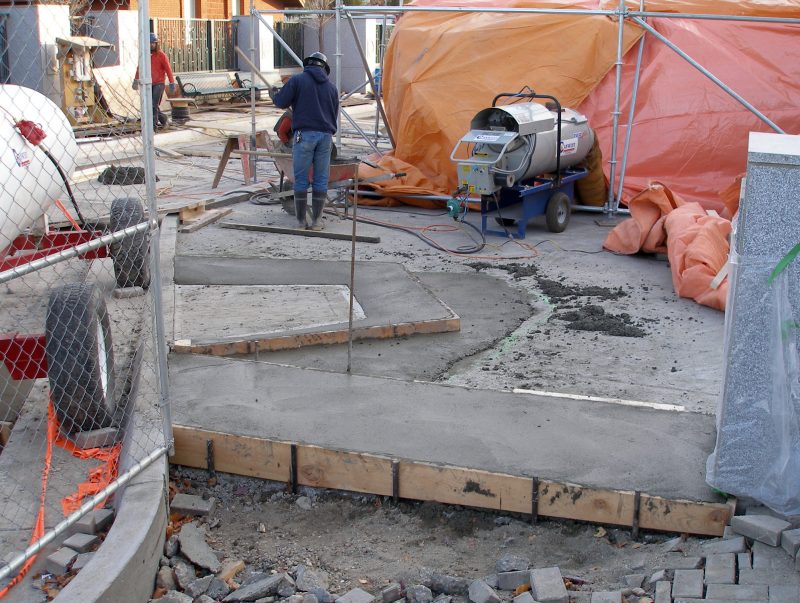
28	179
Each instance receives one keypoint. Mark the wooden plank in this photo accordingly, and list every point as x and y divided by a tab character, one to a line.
595	505
299	340
470	487
5	432
684	516
352	471
207	217
300	232
369	473
241	455
191	211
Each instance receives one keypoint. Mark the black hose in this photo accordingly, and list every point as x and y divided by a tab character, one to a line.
66	183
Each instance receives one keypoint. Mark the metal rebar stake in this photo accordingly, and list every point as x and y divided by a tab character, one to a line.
352	272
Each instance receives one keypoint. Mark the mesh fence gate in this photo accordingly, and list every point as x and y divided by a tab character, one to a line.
82	368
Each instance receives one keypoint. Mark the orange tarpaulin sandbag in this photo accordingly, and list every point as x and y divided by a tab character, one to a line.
695	242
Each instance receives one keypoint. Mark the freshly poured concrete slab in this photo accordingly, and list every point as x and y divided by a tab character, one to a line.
207	313
392	301
584	442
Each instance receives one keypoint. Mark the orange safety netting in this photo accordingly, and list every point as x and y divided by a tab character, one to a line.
99	477
695	241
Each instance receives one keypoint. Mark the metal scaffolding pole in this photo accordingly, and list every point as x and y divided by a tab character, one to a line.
253	25
610	201
709	75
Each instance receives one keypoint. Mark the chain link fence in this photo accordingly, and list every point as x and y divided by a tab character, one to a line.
82	367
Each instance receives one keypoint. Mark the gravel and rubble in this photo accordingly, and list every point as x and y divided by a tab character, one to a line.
354	548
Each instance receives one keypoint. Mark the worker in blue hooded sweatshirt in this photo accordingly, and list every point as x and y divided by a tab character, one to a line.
315	104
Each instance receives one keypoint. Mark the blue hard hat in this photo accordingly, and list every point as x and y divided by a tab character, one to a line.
153	38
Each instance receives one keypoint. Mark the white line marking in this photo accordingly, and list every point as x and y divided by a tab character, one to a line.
620	401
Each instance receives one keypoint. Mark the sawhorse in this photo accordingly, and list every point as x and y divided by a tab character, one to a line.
236	141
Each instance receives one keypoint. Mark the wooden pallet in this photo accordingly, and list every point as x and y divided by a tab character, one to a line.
308	465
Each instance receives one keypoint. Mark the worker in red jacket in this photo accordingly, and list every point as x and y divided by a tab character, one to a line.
159	69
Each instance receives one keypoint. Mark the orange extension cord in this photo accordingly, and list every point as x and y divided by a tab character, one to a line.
99	478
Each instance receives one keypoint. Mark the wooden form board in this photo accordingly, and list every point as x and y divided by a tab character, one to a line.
5	432
204	218
299	340
408	479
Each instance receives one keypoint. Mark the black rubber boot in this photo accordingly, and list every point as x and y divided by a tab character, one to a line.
318	199
300	201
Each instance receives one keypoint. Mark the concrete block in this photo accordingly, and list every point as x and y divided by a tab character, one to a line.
81	542
764	528
524	598
81	561
729	532
754	576
737	592
688	583
392	593
676	561
547	586
783	594
743	561
58	563
511	563
663	592
770	558
736	544
356	595
511	580
189	504
721	569
790	541
94	521
607	597
96	438
480	592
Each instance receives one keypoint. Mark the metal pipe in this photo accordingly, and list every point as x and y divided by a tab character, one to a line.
598	210
61	527
275	35
353	91
381	53
369	76
709	75
352	271
751	19
615	113
253	69
631	114
73	252
361	132
448	9
338	70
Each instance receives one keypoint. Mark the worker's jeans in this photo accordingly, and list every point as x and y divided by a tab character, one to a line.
159	118
313	150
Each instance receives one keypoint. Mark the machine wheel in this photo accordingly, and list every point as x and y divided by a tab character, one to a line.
558	212
80	361
287	202
131	255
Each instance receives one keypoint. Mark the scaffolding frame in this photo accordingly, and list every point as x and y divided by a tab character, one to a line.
622	14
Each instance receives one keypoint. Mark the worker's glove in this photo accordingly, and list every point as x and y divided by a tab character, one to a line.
172	88
273	90
135	84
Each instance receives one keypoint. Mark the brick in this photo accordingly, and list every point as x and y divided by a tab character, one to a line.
743	561
81	561
783	594
392	593
738	592
688	583
677	561
511	580
547	585
524	598
790	541
189	504
770	558
663	592
764	528
721	569
724	545
81	542
58	563
607	597
96	438
480	592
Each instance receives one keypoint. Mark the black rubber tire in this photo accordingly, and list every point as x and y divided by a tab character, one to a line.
131	255
558	212
80	359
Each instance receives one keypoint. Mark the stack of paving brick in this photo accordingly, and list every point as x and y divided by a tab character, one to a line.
77	550
766	571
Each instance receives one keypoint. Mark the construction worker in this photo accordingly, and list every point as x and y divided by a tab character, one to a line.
159	69
315	104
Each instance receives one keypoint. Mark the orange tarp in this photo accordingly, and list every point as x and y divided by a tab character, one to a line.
442	68
695	242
